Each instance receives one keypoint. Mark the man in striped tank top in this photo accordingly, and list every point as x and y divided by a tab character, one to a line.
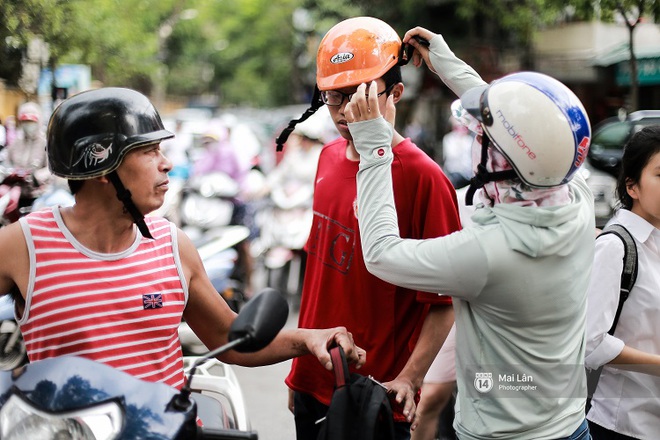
101	281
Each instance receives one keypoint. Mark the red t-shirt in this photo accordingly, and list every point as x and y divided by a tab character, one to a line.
338	290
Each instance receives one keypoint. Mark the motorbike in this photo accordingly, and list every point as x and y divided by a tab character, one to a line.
76	398
219	257
285	224
207	210
12	349
12	204
21	193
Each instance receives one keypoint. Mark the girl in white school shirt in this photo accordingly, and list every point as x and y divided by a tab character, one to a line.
626	403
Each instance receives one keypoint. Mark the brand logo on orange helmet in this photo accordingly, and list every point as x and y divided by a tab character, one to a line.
341	57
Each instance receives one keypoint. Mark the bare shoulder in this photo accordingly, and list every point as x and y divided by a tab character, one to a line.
12	238
188	254
187	248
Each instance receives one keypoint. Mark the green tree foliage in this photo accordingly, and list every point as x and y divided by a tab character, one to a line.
23	20
252	52
510	23
524	17
239	49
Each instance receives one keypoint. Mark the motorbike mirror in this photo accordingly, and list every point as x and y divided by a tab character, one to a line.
259	321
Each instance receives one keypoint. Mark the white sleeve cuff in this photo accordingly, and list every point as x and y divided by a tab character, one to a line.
372	139
608	349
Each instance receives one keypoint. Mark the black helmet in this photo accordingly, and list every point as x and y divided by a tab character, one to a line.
90	133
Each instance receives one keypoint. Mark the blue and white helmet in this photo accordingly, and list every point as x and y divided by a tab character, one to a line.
536	122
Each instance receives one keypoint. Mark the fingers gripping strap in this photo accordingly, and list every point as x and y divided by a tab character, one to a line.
339	366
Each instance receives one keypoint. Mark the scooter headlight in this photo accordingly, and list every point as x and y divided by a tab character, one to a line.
19	420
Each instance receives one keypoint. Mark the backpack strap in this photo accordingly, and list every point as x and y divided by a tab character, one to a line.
377	411
339	366
628	278
629	273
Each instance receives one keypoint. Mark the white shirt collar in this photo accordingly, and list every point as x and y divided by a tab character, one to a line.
638	227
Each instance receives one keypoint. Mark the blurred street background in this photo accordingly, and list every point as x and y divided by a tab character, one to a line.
255	58
228	75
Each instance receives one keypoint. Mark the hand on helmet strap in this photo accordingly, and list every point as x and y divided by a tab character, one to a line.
407	50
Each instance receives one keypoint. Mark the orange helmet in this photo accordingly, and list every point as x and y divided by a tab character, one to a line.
356	51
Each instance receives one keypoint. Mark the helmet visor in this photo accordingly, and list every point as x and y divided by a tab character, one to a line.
472	101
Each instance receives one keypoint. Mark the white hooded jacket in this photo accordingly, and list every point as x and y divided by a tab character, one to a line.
519	280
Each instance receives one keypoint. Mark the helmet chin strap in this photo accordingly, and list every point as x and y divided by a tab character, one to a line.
482	177
125	196
316	104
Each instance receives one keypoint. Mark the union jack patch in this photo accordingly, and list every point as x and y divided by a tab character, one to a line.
153	301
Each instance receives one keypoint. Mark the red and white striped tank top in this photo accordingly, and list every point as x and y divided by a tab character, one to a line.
119	309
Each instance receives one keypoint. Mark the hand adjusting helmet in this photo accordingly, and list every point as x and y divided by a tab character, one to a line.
355	51
90	133
536	122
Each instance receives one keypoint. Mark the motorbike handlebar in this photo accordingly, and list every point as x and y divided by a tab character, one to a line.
225	434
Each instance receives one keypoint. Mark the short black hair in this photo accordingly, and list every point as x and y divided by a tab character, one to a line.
636	155
75	185
392	76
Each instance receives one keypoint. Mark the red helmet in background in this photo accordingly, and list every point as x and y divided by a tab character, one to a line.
29	111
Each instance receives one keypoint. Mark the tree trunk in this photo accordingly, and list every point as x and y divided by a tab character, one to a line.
634	79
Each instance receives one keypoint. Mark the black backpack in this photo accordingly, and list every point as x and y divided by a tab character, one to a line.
628	278
359	409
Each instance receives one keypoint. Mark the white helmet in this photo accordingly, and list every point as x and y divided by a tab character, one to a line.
536	122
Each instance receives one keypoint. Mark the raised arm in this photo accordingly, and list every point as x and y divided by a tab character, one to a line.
440	59
431	265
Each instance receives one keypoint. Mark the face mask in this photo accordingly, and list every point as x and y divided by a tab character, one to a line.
30	128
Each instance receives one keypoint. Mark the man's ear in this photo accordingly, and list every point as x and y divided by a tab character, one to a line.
397	92
103	180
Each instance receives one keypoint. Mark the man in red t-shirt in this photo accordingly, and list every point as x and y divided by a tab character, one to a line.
402	333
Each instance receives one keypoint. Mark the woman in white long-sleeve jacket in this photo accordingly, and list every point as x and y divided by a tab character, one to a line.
519	276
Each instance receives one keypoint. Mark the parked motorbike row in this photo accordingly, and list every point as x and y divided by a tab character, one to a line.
205	207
